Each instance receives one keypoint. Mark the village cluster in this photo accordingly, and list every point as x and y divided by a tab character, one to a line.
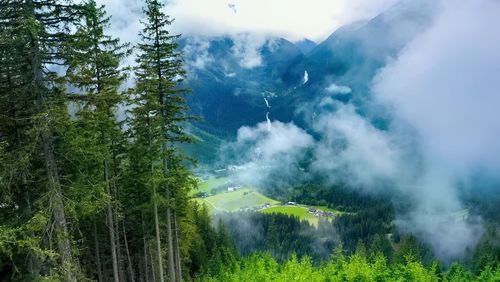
320	213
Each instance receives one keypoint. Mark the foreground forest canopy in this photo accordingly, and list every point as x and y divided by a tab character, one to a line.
357	267
98	182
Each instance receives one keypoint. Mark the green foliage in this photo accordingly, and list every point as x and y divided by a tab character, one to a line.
32	35
94	137
262	267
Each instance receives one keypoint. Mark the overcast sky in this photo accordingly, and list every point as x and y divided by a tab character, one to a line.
292	19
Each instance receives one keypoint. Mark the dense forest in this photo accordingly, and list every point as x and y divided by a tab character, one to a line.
88	192
94	185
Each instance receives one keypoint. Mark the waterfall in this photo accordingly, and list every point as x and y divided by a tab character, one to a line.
306	77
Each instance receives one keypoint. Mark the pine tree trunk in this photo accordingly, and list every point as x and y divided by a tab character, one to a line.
119	254
158	241
129	260
56	202
146	271
171	256
177	249
119	250
97	254
111	225
153	272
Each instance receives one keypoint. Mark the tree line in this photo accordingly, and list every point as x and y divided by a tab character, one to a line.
355	267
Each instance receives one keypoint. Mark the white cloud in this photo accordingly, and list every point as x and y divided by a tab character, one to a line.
338	89
269	152
246	49
196	50
292	19
445	86
125	18
352	151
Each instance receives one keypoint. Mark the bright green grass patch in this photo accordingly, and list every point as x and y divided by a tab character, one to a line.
233	201
211	184
295	211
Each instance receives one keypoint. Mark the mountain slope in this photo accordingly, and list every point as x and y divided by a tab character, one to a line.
352	55
231	76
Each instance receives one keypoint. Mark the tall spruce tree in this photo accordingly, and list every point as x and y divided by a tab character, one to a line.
157	125
94	60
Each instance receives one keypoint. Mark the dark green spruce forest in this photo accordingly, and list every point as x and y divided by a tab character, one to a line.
100	178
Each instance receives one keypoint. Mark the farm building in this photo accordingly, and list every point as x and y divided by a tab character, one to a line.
233	188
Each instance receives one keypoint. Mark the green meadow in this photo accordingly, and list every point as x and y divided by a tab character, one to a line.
233	201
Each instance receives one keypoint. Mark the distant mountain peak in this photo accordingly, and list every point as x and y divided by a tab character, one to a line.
305	45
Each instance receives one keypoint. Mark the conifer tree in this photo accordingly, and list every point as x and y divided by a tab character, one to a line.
93	60
157	125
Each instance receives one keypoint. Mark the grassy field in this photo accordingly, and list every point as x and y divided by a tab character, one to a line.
210	184
241	198
296	211
233	201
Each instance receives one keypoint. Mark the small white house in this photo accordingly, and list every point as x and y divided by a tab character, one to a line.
230	189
